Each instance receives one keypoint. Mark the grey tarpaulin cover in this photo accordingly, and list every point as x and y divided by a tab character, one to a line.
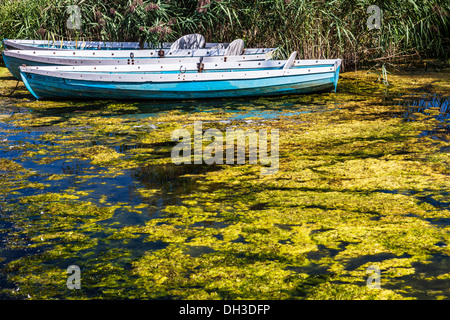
235	48
189	41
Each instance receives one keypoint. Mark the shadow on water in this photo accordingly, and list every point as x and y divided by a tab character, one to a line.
414	107
171	180
267	107
426	276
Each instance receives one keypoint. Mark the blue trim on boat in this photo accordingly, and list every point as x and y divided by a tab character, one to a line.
27	85
44	87
336	78
13	64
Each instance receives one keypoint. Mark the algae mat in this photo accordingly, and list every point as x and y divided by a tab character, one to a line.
362	187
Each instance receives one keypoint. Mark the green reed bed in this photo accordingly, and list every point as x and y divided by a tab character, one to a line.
316	29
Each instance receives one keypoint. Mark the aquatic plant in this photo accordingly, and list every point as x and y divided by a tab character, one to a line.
363	181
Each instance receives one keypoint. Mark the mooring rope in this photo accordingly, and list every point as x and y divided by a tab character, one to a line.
15	88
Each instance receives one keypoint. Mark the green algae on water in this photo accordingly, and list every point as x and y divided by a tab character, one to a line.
359	185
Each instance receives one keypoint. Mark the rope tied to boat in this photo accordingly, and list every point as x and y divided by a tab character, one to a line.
14	90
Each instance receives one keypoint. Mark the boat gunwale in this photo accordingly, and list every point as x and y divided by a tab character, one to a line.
180	77
91	45
184	67
118	61
134	54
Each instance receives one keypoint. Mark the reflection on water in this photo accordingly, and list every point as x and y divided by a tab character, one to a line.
431	106
421	103
265	108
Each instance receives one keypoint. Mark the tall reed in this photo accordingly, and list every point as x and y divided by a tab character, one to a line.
314	28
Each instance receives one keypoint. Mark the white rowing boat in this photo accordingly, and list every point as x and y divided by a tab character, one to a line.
15	58
172	81
193	41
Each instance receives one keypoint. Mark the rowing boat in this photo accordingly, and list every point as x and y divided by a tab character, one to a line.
26	44
15	58
188	46
276	77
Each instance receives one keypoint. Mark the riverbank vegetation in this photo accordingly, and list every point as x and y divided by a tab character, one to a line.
315	28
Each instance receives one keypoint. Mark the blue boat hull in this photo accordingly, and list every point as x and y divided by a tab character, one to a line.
13	65
47	87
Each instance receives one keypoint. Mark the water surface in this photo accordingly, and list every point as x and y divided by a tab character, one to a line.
363	180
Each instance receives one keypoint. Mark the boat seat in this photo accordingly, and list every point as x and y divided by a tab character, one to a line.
236	48
189	41
290	61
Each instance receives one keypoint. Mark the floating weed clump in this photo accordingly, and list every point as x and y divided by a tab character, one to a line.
361	183
9	166
99	154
